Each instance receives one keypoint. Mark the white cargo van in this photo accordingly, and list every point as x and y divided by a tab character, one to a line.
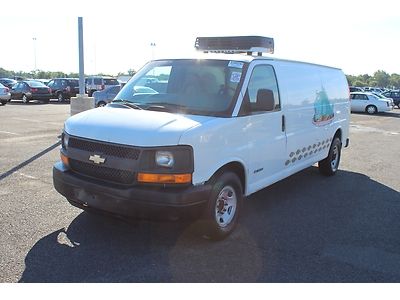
214	129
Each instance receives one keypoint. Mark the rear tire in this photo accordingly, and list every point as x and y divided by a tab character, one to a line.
224	205
25	99
60	97
330	165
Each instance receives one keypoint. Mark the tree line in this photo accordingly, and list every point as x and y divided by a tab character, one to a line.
378	79
40	74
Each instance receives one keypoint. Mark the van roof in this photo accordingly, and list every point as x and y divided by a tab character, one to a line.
241	57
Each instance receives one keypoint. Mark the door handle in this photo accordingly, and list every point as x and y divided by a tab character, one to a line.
283	123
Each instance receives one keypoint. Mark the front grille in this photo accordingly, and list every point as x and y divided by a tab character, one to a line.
107	149
100	172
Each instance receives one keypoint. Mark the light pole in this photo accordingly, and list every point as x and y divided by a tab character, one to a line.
34	51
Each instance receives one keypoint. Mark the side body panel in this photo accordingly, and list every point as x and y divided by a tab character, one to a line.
315	104
314	101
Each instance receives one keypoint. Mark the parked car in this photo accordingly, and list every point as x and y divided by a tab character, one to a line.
369	103
355	89
99	83
4	94
381	96
44	81
395	95
64	88
30	90
7	82
370	89
101	98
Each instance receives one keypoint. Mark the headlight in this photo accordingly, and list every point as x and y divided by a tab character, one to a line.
165	159
64	141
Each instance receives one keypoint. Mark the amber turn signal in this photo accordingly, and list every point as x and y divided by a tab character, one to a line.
64	159
164	178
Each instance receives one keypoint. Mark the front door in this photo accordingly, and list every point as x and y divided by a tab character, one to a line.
265	132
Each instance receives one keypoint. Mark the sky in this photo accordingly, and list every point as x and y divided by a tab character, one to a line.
360	37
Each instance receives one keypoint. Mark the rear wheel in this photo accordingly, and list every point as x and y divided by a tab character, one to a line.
60	97
25	99
371	109
330	165
224	205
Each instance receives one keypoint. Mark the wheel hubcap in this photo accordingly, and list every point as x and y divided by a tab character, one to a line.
225	206
371	110
335	158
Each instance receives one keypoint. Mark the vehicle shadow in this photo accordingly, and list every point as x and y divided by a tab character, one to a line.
391	114
38	102
292	231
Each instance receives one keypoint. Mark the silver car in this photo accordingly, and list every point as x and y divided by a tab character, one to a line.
101	98
369	103
5	95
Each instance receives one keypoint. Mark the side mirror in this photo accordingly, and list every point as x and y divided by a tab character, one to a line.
265	100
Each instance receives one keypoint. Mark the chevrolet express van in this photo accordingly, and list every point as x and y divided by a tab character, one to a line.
217	127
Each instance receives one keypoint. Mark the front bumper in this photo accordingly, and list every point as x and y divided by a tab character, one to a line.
131	201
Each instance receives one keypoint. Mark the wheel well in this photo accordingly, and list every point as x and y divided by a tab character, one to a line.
376	108
338	134
235	167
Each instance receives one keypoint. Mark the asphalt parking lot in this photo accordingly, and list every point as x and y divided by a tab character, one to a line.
307	228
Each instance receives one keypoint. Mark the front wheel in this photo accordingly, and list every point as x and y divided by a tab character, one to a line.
223	207
330	165
371	109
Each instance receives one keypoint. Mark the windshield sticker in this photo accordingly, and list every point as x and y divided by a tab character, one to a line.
235	77
235	64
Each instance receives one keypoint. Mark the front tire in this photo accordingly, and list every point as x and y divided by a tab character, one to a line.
371	109
101	104
224	206
330	165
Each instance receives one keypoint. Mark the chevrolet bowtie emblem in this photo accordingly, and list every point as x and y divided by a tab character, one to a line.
97	159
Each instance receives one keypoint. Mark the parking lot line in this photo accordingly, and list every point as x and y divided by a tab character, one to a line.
7	132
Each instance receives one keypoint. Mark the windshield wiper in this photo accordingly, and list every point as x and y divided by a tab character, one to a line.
165	106
126	103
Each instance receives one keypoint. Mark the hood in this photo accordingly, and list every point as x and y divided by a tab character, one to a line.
131	126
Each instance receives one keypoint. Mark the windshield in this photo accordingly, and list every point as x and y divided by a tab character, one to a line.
35	84
203	87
